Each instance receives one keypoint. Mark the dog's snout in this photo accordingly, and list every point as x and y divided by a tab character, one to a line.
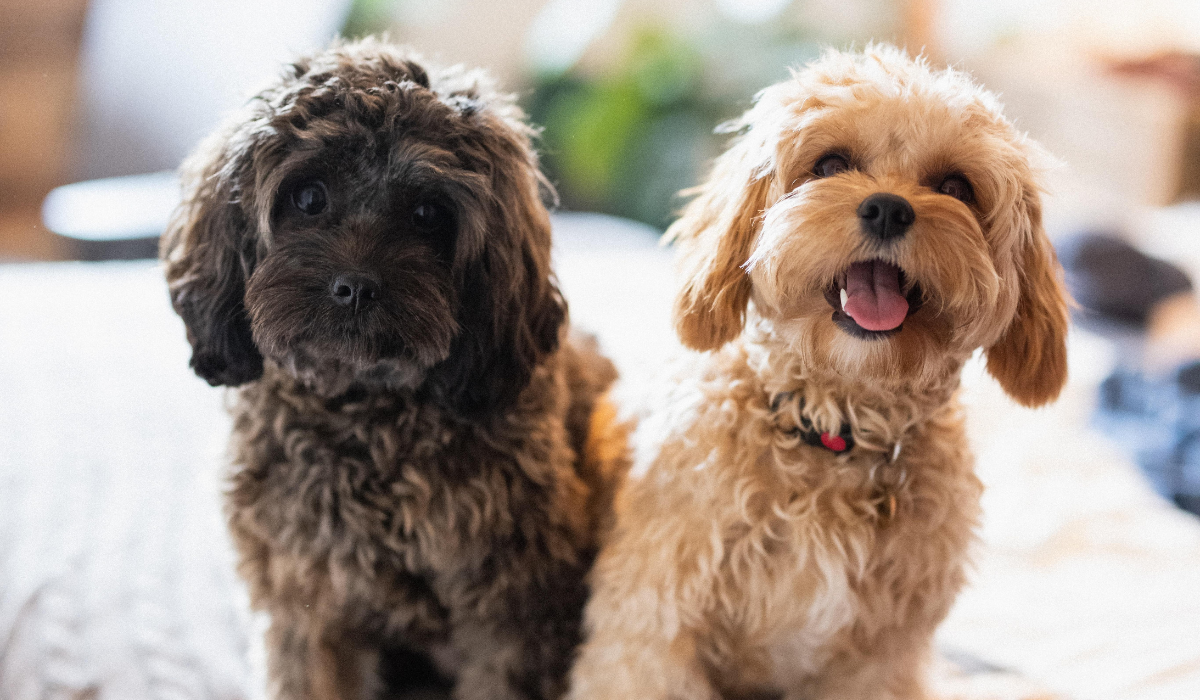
353	290
886	216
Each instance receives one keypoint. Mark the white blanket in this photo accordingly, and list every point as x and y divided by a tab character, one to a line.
117	580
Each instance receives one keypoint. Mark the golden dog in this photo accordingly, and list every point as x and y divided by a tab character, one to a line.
799	515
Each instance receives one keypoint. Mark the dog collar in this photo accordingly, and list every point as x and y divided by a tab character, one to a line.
841	443
886	503
884	491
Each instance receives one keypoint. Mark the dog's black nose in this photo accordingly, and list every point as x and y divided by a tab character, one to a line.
886	216
354	290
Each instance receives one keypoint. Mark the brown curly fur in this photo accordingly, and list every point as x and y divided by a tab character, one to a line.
418	478
746	563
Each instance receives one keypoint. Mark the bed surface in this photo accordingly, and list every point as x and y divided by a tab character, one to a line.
116	577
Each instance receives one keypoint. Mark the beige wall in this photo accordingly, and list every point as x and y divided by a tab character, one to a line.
493	34
1118	140
471	32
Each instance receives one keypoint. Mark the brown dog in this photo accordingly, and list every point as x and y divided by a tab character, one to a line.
416	488
798	517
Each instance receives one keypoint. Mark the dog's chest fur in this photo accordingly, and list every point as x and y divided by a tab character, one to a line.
810	562
836	555
383	506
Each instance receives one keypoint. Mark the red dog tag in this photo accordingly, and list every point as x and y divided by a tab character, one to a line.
833	442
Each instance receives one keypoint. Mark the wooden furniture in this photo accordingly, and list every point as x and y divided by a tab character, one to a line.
39	45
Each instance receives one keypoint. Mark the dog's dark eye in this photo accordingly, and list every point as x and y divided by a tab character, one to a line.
310	197
957	187
428	216
831	165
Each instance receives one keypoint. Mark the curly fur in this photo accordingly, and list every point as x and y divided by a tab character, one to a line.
746	563
419	474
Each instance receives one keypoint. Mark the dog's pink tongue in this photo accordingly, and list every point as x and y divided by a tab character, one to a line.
873	297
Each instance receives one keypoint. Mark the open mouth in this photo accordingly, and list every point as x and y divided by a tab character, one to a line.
869	300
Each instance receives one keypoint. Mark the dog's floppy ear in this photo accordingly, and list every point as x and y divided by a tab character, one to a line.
715	236
208	253
512	311
1030	359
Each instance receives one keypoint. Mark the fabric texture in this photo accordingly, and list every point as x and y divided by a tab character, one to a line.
117	579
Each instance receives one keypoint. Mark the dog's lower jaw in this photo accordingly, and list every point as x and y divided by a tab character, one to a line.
879	370
331	377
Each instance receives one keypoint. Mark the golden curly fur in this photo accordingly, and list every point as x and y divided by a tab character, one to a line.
745	561
421	455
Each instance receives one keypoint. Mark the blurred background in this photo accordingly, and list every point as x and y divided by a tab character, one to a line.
116	576
628	91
